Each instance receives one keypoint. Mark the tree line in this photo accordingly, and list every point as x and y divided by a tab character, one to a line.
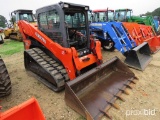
2	21
156	12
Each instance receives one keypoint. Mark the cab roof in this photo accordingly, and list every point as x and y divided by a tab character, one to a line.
22	11
126	9
103	10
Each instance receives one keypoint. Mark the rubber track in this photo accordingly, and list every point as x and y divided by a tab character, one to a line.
5	82
57	70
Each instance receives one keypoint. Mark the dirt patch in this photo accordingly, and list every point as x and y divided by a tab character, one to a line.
144	96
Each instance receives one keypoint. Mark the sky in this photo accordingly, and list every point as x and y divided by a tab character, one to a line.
138	6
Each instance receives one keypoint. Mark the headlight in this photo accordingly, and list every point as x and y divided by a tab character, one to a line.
66	5
86	8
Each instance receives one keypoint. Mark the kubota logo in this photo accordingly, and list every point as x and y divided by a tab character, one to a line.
40	37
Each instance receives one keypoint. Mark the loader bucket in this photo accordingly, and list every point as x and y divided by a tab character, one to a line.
29	110
93	93
139	57
154	44
143	33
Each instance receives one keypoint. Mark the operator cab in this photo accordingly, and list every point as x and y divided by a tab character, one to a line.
103	15
66	24
76	28
26	15
123	15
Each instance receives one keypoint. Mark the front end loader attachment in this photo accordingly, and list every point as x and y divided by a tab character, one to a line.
139	57
125	43
143	33
28	110
93	93
154	44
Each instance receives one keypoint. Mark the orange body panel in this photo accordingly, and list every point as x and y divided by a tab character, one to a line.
68	56
29	110
95	46
142	33
27	44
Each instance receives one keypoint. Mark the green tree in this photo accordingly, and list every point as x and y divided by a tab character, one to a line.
2	21
156	12
148	13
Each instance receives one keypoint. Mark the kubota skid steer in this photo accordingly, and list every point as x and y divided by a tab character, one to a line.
61	51
142	33
112	35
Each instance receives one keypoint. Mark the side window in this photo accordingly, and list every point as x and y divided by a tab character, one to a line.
96	17
90	17
15	17
128	14
110	16
28	17
102	17
75	20
49	20
53	19
116	15
43	21
23	17
68	20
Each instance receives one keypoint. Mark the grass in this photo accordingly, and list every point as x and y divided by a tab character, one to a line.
11	47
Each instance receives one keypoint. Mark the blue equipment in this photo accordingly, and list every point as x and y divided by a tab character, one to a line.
114	35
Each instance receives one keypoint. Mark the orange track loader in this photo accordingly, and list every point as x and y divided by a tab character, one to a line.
61	52
142	33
